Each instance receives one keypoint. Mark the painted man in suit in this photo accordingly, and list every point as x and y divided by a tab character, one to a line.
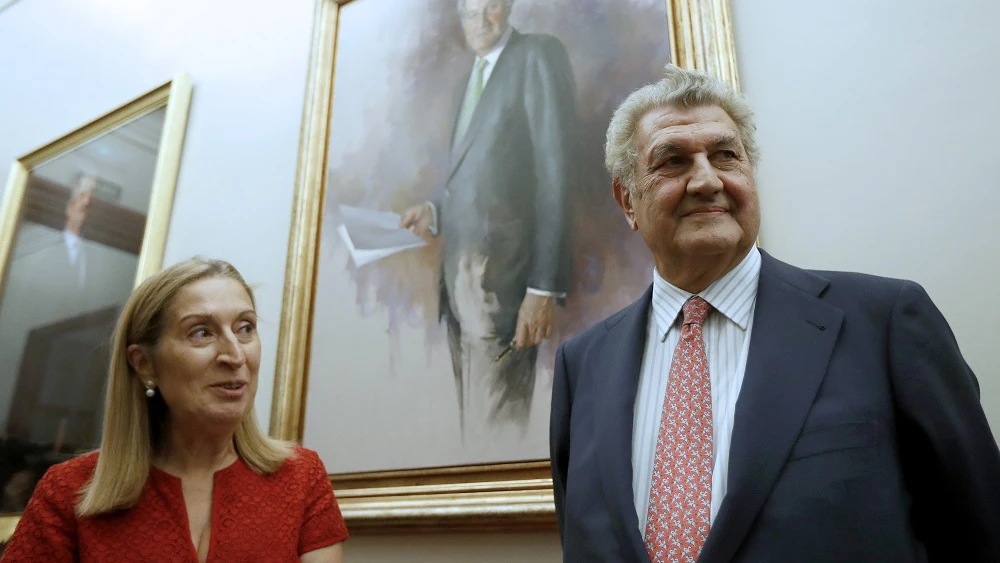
504	216
747	410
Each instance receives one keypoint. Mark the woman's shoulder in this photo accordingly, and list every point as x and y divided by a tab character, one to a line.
73	472
301	467
63	481
302	461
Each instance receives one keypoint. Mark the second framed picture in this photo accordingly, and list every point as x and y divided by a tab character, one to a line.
84	220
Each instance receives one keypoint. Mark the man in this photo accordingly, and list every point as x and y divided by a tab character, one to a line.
747	410
77	210
49	287
504	216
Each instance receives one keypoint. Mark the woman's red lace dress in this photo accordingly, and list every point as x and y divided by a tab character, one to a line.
254	517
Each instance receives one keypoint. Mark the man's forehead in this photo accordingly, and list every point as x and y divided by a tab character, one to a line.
668	117
706	123
473	5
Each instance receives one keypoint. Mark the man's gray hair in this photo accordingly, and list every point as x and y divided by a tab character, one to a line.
84	182
680	88
506	4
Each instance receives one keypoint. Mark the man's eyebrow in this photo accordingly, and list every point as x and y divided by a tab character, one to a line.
669	147
726	139
662	150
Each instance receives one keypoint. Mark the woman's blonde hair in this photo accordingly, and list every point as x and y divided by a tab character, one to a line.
133	423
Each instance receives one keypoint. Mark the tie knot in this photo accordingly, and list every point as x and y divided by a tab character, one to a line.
480	65
695	310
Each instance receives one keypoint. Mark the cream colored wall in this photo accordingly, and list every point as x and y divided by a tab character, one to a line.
880	129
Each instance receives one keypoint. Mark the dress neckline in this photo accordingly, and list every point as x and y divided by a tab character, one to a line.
169	482
218	472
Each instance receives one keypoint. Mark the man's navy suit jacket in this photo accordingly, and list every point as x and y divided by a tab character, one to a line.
859	434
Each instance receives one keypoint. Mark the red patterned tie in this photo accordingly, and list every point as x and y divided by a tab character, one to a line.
680	494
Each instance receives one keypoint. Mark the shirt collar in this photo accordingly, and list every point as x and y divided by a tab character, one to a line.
494	54
733	295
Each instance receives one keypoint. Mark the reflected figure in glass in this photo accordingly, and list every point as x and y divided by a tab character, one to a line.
72	264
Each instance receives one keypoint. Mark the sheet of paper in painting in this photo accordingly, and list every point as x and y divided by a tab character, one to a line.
372	235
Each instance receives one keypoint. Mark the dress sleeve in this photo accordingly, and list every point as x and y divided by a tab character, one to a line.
47	529
322	523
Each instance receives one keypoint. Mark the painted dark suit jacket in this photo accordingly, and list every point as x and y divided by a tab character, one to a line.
507	195
859	434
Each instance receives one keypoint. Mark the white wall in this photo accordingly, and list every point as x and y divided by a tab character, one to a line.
65	62
880	130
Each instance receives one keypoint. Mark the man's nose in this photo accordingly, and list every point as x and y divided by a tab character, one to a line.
704	177
481	19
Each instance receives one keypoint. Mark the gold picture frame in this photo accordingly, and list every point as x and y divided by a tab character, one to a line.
497	497
175	97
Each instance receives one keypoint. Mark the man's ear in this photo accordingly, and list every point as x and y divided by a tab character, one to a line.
140	362
624	198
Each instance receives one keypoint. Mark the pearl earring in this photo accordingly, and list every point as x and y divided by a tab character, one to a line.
149	390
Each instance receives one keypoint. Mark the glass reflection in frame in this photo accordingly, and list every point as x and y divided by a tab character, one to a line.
77	234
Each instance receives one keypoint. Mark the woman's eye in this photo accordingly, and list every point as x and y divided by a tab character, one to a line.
199	333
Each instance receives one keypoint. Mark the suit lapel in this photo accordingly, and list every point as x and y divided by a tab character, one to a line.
617	370
504	66
791	342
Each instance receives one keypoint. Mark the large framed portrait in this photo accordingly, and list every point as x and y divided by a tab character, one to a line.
84	219
418	361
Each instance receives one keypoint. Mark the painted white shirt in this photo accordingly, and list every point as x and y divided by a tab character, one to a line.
492	56
74	248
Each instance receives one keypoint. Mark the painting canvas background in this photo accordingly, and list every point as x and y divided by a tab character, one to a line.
381	394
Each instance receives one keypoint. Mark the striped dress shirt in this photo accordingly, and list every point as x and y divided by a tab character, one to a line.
727	337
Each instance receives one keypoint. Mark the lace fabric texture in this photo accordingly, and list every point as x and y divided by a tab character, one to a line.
273	518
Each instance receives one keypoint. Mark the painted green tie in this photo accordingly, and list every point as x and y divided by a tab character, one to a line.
471	98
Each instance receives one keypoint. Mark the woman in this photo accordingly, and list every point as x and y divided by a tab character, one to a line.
184	472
